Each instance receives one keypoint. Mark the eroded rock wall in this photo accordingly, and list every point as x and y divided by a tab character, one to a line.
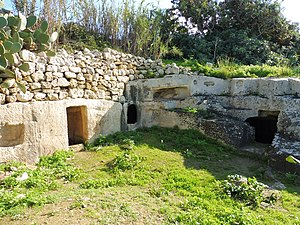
234	101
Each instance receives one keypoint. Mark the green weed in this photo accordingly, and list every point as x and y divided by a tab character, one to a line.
26	187
126	161
190	110
245	189
11	166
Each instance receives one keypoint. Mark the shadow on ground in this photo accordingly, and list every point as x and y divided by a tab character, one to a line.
201	152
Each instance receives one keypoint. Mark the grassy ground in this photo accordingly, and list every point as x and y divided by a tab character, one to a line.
154	176
226	69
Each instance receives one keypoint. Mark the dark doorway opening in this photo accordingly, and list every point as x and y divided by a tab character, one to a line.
265	126
77	125
132	114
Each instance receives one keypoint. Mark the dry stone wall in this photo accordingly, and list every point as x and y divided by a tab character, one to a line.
87	74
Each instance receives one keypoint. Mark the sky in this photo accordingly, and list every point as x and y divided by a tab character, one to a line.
291	7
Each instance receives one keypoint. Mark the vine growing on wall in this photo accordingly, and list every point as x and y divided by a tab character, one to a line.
19	32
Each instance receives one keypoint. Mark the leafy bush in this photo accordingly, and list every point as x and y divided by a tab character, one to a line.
13	199
11	166
126	161
248	190
118	138
77	37
174	53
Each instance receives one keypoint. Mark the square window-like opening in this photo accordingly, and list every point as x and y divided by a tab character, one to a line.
77	125
11	135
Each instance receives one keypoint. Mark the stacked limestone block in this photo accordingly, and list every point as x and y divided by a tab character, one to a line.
87	74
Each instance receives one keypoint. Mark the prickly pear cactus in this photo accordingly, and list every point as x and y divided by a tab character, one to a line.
16	33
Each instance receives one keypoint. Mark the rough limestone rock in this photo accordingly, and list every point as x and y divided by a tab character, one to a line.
62	82
235	101
28	96
31	130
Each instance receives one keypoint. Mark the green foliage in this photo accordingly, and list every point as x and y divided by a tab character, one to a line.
11	166
97	183
25	187
59	165
245	189
174	53
191	110
15	34
13	199
77	37
177	182
126	161
251	32
138	29
226	68
100	142
119	138
127	144
193	64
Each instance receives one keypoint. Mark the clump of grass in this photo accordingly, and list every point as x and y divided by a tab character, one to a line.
126	160
10	166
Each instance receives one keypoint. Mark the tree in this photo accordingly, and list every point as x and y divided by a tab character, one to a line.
236	28
202	14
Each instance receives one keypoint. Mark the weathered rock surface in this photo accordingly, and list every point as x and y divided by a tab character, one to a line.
274	102
31	130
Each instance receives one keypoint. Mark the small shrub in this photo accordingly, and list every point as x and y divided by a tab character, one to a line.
58	159
102	141
150	74
126	161
248	190
127	144
12	199
174	53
